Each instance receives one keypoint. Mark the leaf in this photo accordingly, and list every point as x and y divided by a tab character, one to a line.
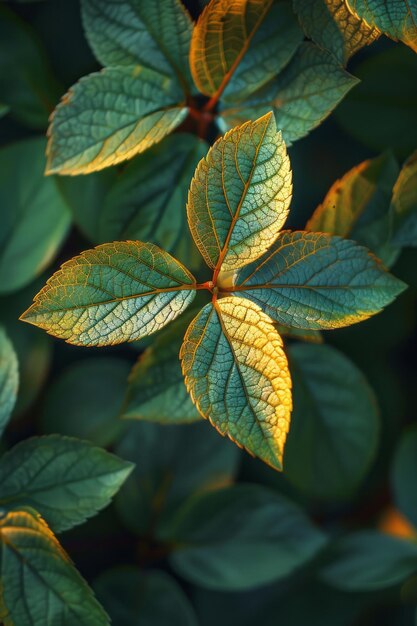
110	116
156	35
35	218
301	96
368	560
335	423
172	463
146	200
86	399
116	292
357	206
240	195
402	473
404	204
332	26
316	281
395	18
240	537
220	39
40	585
237	374
66	480
4	109
134	597
312	336
9	379
271	48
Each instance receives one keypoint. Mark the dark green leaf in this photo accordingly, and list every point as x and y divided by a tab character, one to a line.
403	473
4	109
404	204
9	379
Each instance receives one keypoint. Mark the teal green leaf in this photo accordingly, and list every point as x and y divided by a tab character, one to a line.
40	585
110	116
86	399
301	96
136	32
368	560
153	598
116	292
403	471
237	374
240	195
240	537
335	423
172	463
35	218
404	204
9	379
271	48
66	480
146	201
316	281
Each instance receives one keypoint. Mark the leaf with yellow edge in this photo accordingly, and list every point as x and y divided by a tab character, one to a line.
237	374
240	195
220	39
113	293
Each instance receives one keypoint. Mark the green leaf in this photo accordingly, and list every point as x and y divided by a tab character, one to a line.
40	585
9	379
335	423
404	204
86	399
301	96
240	537
357	206
313	336
27	85
395	18
368	560
402	475
116	292
135	32
240	195
4	109
35	218
237	374
332	26
272	46
316	281
66	480
171	464
146	201
143	599
110	116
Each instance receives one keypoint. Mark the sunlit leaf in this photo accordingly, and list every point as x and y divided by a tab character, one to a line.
34	217
132	596
301	96
334	425
9	379
404	204
240	194
357	206
154	34
395	18
116	292
331	25
237	374
241	537
110	116
403	470
40	585
316	281
86	399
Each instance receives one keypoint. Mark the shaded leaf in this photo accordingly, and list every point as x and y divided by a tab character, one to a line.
40	585
35	218
404	204
335	423
4	109
240	195
312	336
116	292
133	597
110	116
402	475
316	281
9	379
241	537
301	96
237	374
